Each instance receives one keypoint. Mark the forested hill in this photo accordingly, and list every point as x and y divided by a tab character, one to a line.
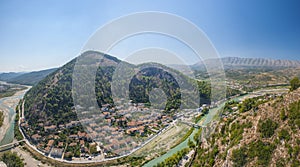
9	75
51	102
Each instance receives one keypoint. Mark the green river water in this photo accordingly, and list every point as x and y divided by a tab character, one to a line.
207	119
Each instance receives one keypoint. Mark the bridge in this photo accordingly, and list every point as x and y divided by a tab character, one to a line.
10	145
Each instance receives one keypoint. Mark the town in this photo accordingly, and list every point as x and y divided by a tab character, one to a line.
115	131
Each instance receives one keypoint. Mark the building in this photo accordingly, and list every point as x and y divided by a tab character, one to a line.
61	144
81	135
49	128
57	152
36	138
50	143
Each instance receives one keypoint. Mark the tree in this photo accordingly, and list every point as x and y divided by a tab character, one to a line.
262	150
191	144
205	111
239	157
282	115
280	163
284	134
294	115
267	128
295	83
93	149
11	159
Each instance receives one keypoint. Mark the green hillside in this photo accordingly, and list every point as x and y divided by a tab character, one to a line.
51	99
29	78
263	131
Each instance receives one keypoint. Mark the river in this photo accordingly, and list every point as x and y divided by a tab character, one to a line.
204	121
8	105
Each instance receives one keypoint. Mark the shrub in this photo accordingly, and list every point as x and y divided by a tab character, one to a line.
239	157
11	159
284	135
295	83
267	128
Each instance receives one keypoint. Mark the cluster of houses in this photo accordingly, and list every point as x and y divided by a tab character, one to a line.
54	140
117	131
234	85
124	128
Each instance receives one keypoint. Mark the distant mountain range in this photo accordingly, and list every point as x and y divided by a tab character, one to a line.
25	78
32	78
249	62
9	75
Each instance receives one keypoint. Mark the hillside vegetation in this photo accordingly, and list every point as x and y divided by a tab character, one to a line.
50	114
50	101
267	134
11	159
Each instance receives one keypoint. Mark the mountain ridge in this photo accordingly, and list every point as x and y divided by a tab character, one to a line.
56	88
251	62
26	78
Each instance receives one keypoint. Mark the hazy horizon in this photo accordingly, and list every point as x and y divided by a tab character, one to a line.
133	63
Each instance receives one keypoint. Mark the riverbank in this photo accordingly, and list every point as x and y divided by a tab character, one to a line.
5	125
7	105
213	115
184	144
8	89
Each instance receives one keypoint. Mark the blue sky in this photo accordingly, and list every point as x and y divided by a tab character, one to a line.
38	35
